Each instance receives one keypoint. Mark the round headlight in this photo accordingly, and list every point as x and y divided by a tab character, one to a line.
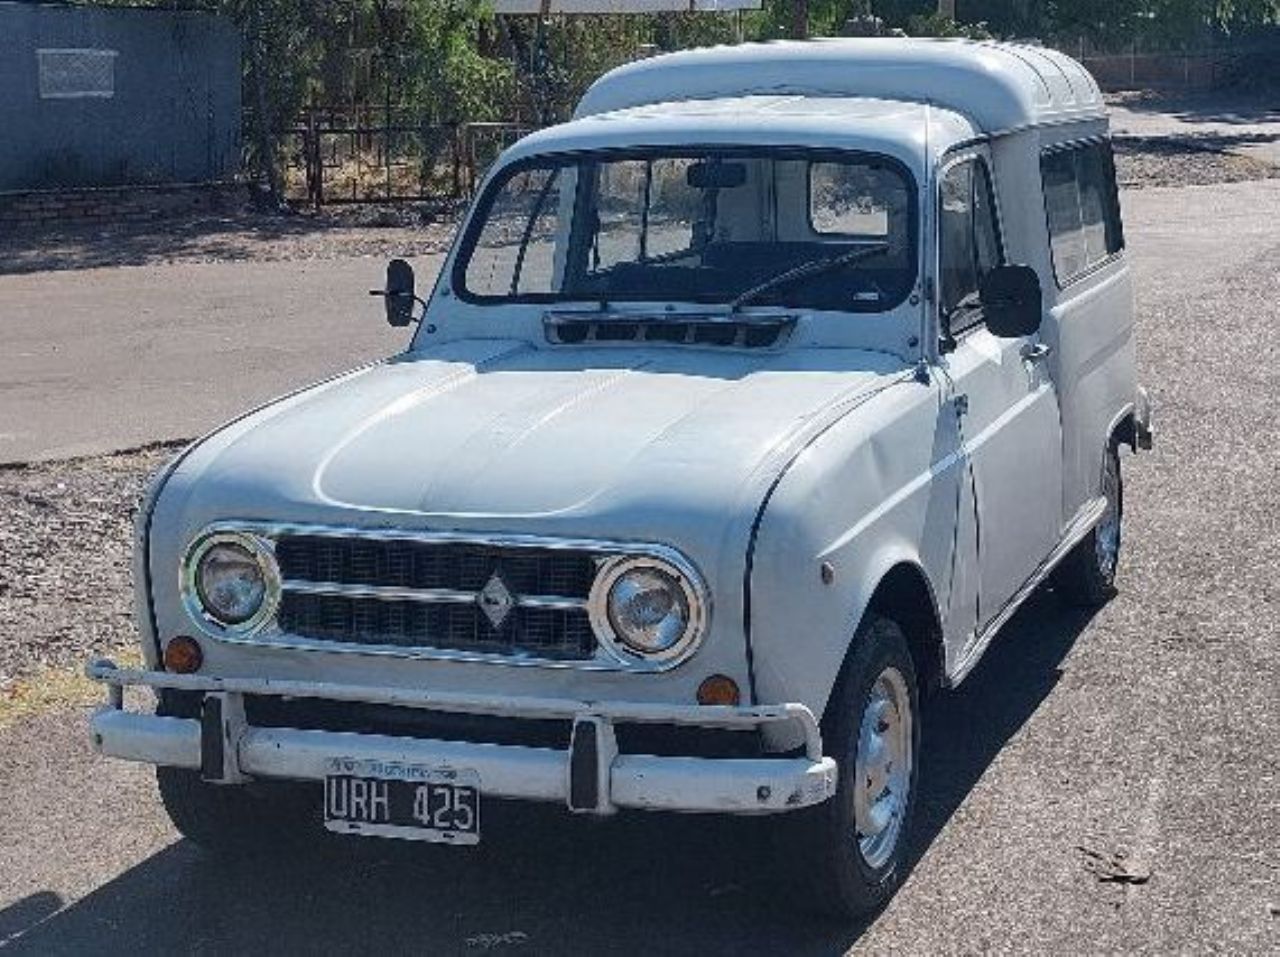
230	582
647	608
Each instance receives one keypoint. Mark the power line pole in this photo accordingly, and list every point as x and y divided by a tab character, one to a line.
800	19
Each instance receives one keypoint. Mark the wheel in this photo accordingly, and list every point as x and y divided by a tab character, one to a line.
1087	576
853	847
237	820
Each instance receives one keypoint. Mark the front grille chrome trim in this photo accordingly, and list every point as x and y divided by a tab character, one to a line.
607	658
426	596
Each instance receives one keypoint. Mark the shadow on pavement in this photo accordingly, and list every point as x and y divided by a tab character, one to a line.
24	914
124	244
1183	143
234	236
1243	108
544	882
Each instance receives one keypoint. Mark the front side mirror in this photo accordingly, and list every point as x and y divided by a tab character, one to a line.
1012	301
398	296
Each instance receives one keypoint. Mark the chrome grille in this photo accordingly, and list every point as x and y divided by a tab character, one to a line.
406	563
413	593
541	632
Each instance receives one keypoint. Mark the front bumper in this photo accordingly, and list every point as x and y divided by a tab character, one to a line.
591	776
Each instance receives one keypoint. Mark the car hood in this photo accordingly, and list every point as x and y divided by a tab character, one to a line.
503	435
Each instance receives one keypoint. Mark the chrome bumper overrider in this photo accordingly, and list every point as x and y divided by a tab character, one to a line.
591	776
1143	434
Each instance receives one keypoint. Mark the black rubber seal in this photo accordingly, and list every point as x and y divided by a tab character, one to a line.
584	768
211	743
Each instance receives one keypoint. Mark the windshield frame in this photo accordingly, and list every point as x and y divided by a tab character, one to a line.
484	204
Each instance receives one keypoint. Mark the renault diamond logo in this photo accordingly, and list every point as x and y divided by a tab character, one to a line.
495	600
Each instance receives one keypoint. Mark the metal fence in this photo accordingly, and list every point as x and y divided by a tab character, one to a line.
1140	65
1160	71
379	153
356	156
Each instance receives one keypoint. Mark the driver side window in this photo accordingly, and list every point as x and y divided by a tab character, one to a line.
969	243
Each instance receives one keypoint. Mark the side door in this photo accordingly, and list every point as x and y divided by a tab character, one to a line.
1005	397
1091	322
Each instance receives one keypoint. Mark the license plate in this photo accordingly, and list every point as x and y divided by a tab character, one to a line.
405	801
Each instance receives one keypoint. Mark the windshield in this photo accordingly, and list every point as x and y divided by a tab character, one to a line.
704	227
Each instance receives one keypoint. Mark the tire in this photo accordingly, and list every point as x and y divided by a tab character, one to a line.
1087	576
235	821
850	870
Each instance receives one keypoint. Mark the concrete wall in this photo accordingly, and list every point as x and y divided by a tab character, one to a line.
107	97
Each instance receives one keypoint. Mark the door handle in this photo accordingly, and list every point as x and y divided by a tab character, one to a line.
1035	352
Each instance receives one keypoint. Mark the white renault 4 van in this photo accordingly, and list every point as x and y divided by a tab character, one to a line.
746	409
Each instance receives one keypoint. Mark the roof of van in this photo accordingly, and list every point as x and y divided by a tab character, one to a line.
903	130
999	86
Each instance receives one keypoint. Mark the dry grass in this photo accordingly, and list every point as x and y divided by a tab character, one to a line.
365	179
54	688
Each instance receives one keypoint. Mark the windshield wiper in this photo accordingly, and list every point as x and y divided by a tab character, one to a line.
811	267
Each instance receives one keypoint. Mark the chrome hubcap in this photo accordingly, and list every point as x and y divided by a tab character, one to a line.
1107	539
882	768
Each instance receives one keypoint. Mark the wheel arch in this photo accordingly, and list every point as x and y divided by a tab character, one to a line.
904	594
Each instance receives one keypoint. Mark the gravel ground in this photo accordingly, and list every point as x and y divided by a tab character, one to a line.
64	559
1199	160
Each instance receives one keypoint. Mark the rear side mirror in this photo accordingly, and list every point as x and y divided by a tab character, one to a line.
1012	301
398	296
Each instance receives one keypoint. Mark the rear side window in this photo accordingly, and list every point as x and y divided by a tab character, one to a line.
1082	207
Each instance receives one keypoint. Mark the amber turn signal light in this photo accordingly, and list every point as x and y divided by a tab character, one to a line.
718	689
182	655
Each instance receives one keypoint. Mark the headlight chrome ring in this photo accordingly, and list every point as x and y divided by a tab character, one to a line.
665	600
195	586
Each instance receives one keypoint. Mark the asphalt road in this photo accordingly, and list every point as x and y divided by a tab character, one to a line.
95	360
1143	740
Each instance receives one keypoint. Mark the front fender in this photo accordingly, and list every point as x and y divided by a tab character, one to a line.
880	490
144	608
